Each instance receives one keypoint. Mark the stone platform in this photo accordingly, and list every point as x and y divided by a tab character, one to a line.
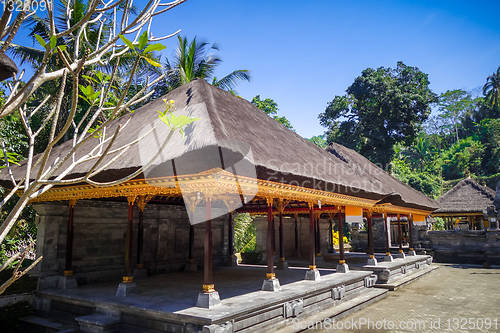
166	302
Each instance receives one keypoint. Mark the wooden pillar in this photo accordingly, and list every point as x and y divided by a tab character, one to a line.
273	233
318	238
68	267
410	229
296	234
371	250
341	239
230	237
312	256
208	283
330	238
400	235
191	244
386	230
281	243
129	243
140	232
270	250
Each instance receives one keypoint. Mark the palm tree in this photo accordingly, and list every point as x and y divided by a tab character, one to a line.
192	60
491	89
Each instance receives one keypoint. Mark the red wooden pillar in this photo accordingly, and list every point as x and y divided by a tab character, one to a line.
208	283
281	243
296	235
270	249
318	238
400	235
410	229
330	238
191	244
341	239
129	243
312	238
68	267
140	232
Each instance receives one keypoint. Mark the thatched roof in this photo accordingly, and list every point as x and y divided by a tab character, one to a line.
398	193
466	197
247	136
8	67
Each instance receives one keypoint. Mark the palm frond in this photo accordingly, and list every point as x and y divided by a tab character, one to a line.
229	81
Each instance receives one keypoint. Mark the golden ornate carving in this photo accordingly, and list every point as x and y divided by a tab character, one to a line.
282	259
312	267
208	288
128	279
68	273
72	203
341	262
270	276
191	202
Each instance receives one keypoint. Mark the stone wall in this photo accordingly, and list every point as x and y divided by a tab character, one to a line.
465	246
99	240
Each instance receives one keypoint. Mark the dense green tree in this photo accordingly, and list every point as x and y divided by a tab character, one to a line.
319	140
382	107
465	155
270	107
427	183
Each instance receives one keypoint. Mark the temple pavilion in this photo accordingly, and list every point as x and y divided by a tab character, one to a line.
176	217
466	202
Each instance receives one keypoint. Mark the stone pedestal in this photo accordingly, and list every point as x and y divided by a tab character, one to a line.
312	275
372	262
140	273
67	282
271	285
208	300
401	255
342	268
412	253
98	323
232	262
126	289
282	265
388	258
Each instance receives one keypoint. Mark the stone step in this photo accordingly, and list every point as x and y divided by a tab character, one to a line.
98	323
36	324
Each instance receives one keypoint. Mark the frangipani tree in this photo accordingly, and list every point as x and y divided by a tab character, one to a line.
117	33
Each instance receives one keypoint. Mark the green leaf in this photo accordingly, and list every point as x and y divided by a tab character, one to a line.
53	42
154	47
127	42
41	41
143	40
152	62
61	48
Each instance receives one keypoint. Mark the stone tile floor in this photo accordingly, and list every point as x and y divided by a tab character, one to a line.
465	292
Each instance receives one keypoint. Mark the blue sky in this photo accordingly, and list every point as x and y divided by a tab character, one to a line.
303	53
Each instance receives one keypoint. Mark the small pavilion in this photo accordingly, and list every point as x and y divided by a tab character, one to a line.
177	215
465	202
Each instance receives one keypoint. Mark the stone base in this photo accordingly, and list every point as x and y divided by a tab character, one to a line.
95	323
282	265
208	300
342	268
191	267
412	253
140	273
313	275
372	262
232	262
67	282
401	255
388	258
126	289
271	285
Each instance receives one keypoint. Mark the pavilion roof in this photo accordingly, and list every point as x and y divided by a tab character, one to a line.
467	196
250	142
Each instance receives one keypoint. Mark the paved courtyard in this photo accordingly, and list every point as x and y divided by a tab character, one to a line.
453	298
